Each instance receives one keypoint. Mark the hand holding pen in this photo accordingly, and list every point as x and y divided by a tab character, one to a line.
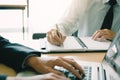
58	32
55	37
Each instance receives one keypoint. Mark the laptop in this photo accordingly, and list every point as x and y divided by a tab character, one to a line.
109	69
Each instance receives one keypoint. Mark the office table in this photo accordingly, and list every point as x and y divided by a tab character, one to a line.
96	57
85	56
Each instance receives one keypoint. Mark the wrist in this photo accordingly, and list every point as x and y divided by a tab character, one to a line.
32	61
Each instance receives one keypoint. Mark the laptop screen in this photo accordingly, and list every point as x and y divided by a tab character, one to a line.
113	55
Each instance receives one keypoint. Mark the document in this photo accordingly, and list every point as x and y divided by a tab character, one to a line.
76	44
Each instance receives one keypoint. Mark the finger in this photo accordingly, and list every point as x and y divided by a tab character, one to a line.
68	66
55	35
52	39
98	35
46	69
55	71
101	35
102	38
60	37
76	66
55	38
94	35
109	34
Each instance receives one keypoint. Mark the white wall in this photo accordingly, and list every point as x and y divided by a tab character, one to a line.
44	13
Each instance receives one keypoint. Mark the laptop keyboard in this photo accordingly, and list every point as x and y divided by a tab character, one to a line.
87	70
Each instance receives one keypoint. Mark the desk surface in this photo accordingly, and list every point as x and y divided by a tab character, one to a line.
95	56
86	56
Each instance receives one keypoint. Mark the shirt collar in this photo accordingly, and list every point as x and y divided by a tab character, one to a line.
105	1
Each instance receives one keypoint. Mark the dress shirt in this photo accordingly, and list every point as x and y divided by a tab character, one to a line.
87	16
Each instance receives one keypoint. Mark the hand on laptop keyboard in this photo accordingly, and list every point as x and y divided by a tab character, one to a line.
68	73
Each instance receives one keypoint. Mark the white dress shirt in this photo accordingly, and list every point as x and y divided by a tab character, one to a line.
87	16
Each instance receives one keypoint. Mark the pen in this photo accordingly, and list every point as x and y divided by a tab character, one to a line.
58	31
59	34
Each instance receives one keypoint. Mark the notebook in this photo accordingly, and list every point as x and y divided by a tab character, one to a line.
75	44
108	69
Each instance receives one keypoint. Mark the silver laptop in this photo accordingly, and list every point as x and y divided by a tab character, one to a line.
109	69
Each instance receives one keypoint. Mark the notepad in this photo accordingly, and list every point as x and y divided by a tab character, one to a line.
76	44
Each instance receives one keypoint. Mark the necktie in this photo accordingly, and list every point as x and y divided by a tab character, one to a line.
107	23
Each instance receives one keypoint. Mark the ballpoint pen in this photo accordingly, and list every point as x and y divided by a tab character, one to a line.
58	31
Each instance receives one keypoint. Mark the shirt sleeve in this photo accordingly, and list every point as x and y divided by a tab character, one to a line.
72	16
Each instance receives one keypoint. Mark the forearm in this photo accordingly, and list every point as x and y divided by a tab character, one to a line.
39	64
32	61
14	55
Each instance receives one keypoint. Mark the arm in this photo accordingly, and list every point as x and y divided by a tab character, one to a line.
46	64
103	34
68	24
14	55
72	16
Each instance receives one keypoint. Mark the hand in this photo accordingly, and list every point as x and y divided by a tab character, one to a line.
54	38
103	34
49	76
46	64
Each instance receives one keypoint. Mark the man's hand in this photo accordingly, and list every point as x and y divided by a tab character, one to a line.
100	35
54	38
47	64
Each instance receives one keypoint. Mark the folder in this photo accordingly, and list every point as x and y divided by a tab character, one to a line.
76	44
